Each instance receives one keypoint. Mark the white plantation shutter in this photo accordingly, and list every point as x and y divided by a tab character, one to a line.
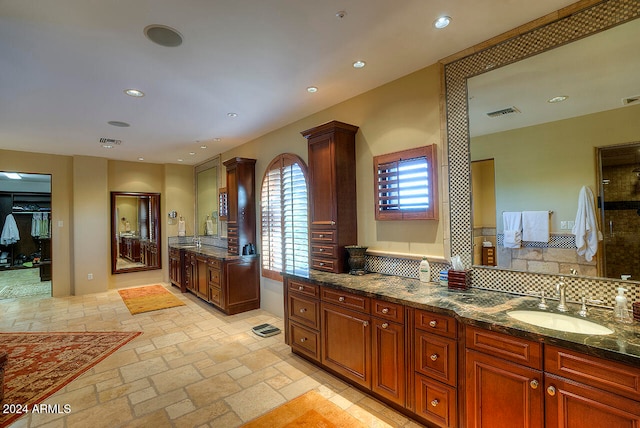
284	201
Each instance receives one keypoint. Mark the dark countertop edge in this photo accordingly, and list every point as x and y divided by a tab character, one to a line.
519	329
220	253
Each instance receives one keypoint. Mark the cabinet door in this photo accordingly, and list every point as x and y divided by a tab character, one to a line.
346	343
389	369
202	279
501	394
573	405
322	198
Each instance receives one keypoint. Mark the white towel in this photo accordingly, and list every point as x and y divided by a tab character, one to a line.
10	233
586	227
512	222
535	226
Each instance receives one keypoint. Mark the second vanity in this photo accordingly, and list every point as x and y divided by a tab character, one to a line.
456	359
229	282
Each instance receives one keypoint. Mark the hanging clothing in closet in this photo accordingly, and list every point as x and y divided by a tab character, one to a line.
40	225
10	234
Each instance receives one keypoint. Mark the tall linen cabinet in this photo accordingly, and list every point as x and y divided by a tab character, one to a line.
332	194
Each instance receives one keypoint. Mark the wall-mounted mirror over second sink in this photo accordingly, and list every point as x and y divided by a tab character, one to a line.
536	130
135	232
207	203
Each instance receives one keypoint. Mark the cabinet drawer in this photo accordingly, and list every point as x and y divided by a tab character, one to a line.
604	374
436	357
387	310
214	263
347	300
323	264
304	340
305	288
215	295
232	231
318	236
232	240
304	311
436	323
214	277
436	402
324	250
518	350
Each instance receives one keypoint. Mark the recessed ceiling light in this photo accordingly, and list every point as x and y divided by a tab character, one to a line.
140	158
442	22
163	35
134	93
359	64
217	139
232	114
341	14
192	153
107	146
557	99
203	146
312	89
180	160
118	124
13	175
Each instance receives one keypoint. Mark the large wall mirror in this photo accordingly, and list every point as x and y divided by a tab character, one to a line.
515	145
206	180
135	232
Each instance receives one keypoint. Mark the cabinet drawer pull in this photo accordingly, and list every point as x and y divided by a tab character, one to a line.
303	310
435	402
333	223
304	339
365	323
301	288
321	263
434	357
321	250
321	236
385	310
385	324
433	323
551	391
341	299
534	384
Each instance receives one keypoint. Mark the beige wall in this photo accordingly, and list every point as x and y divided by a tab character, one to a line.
544	167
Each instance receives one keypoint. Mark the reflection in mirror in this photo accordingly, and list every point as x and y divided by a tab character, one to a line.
620	210
135	232
532	150
207	198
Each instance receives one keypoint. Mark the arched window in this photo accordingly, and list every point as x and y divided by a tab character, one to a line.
284	211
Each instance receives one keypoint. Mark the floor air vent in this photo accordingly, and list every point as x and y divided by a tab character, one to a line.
504	111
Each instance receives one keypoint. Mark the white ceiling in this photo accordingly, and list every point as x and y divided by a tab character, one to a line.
65	63
596	73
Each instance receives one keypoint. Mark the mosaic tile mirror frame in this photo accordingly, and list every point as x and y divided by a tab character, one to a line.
580	20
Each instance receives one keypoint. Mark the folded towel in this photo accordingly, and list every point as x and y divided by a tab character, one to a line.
181	228
512	222
535	226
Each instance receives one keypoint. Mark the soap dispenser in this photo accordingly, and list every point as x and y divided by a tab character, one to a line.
620	311
425	270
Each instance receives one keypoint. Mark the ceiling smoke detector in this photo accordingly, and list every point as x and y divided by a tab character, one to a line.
503	112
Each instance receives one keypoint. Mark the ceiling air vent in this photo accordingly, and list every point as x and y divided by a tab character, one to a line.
109	141
630	100
503	112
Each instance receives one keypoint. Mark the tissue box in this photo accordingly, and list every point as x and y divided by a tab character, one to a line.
459	279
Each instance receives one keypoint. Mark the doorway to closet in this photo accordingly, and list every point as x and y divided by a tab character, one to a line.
25	235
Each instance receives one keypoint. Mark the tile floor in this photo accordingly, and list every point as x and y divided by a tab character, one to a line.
192	367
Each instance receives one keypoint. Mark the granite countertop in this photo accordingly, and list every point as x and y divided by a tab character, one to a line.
488	309
210	251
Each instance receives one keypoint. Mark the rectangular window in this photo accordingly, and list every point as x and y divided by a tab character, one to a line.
406	185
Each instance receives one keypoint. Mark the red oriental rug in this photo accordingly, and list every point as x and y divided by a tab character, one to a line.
40	364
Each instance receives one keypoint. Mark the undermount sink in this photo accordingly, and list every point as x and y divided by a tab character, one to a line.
560	322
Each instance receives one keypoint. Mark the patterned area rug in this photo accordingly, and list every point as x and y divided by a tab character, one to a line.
39	364
149	298
308	410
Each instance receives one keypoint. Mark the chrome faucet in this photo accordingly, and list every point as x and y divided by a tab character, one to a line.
561	287
197	241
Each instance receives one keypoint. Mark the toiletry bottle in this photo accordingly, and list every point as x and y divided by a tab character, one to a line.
620	311
425	270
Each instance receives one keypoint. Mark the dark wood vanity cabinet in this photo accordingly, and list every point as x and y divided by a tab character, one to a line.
241	206
175	267
504	381
332	194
